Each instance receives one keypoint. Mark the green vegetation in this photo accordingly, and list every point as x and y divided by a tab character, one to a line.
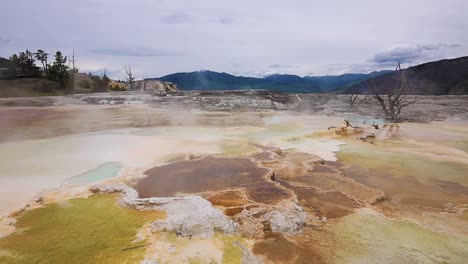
100	83
92	230
24	62
19	76
24	87
58	71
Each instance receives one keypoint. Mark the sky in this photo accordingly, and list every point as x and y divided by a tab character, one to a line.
242	37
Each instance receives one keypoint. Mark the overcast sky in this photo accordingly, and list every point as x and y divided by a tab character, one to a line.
241	37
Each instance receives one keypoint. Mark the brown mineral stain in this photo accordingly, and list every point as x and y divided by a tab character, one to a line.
335	164
290	164
279	249
337	181
228	198
231	211
265	156
212	174
330	204
323	169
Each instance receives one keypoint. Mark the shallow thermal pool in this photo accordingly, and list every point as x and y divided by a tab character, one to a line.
104	171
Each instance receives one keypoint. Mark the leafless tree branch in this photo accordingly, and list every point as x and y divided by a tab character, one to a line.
352	97
396	94
130	77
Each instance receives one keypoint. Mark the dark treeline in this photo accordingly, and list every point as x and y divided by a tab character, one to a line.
59	69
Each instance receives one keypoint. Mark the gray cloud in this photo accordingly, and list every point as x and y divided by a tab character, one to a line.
4	41
176	18
227	20
281	66
275	66
410	53
132	52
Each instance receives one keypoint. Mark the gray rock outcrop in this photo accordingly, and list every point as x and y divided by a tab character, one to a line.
154	86
195	216
187	216
286	217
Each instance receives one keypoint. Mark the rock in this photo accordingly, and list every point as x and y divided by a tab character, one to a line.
153	86
189	215
191	157
377	199
320	161
94	189
248	225
9	221
369	138
277	151
288	217
193	216
278	106
39	199
171	249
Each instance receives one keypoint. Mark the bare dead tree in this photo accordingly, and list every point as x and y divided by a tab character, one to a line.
353	96
72	61
130	77
396	94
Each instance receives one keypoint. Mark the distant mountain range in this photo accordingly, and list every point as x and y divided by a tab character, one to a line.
442	77
448	76
210	80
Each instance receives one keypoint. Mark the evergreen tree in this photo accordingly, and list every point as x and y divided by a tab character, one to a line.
25	62
58	71
42	57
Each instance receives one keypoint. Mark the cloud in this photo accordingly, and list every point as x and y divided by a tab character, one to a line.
132	52
227	20
176	18
109	72
275	66
98	68
281	66
163	37
4	41
410	53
